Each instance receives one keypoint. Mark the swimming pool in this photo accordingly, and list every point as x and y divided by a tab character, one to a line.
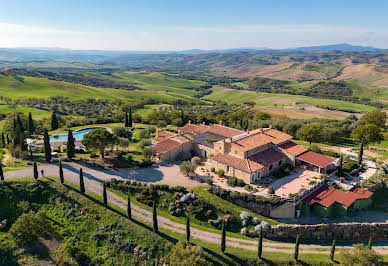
78	135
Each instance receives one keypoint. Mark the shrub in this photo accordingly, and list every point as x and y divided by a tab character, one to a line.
266	226
146	196
152	129
177	122
220	173
245	218
250	188
209	181
196	160
144	134
235	182
244	231
323	176
123	142
359	255
255	221
213	170
187	168
185	254
315	148
162	124
122	132
198	208
144	143
312	182
30	226
271	190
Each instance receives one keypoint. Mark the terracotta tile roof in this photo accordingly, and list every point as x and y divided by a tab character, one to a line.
316	159
293	148
327	195
182	138
224	131
278	136
163	135
194	129
252	141
266	157
365	194
166	145
233	161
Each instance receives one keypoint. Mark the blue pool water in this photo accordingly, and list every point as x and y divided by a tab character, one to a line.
79	135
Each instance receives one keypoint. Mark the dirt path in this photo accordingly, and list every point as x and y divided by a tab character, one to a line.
93	179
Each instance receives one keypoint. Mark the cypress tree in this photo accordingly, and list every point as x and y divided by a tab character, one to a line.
296	253
54	121
369	246
129	207
36	171
70	146
332	251
360	152
1	172
19	123
31	126
104	196
182	117
8	139
14	124
61	177
188	229
81	181
47	147
340	165
130	121
260	247
155	219
126	119
2	140
223	237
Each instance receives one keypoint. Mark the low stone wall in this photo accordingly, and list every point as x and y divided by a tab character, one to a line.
377	186
339	231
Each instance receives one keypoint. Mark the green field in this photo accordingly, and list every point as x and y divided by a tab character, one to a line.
36	113
24	87
263	99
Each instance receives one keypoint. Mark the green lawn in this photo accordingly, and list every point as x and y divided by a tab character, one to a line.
36	113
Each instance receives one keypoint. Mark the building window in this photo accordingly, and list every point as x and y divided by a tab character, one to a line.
270	167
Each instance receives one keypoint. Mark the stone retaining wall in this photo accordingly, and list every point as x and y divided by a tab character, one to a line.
340	231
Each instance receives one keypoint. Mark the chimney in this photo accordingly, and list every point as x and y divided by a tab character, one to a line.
270	126
220	123
230	140
189	122
261	130
203	123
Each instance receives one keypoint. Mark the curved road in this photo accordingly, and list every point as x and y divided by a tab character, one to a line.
93	179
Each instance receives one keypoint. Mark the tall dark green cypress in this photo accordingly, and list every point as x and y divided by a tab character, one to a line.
126	119
81	181
129	207
47	147
341	159
36	171
31	126
369	246
360	153
104	196
155	219
19	123
260	245
70	146
183	117
130	121
1	173
188	229
332	251
54	121
223	237
296	252
2	140
8	141
61	177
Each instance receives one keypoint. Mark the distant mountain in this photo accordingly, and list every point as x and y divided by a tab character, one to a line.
344	47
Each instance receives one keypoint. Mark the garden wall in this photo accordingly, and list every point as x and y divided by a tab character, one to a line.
339	231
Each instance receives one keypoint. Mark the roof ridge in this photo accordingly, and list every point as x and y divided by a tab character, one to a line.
249	166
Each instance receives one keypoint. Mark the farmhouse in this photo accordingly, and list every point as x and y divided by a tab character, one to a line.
248	155
328	201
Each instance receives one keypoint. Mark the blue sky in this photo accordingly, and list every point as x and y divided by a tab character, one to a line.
177	25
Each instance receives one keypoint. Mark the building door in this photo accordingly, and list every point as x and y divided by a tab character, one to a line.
253	178
258	175
203	152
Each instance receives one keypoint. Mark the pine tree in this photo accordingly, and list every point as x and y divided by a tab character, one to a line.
47	147
70	146
36	171
54	121
129	207
340	165
31	126
360	153
155	219
2	140
369	246
223	237
296	253
260	246
1	173
61	177
126	119
104	196
81	181
130	121
188	229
